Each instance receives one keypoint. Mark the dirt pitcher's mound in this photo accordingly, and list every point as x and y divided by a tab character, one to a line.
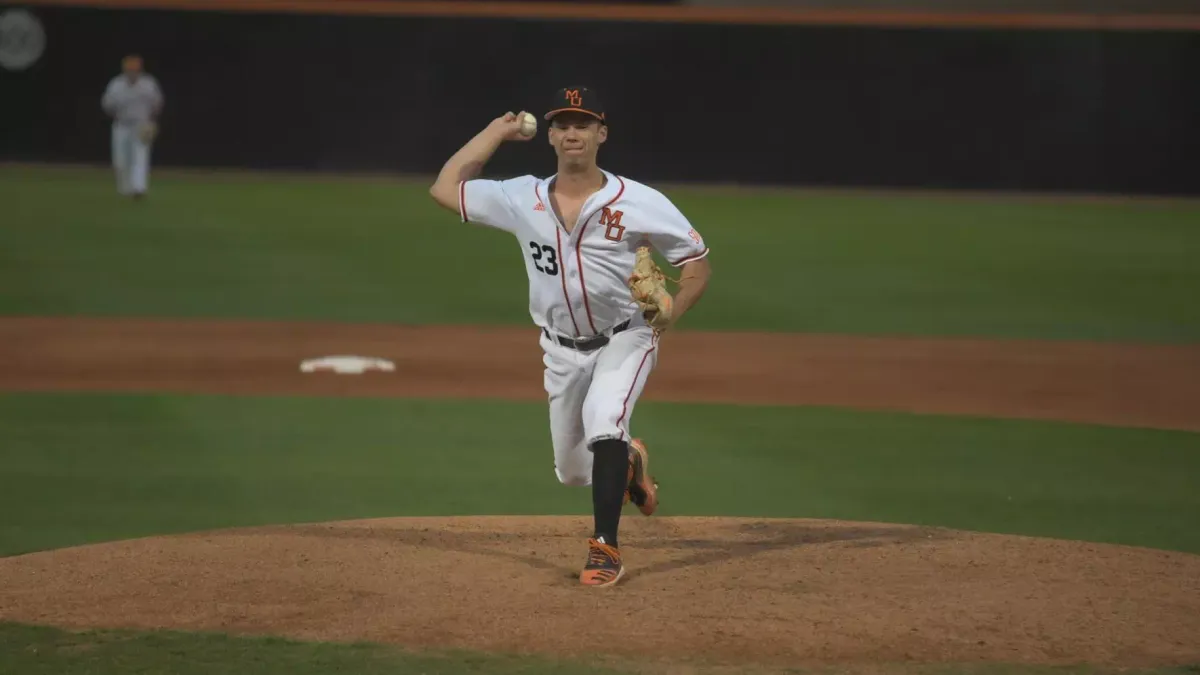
1145	385
722	590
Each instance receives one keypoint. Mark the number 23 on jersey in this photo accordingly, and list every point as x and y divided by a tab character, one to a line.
550	263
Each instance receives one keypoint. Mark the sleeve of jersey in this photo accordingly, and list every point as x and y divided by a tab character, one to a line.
486	202
158	95
109	98
674	236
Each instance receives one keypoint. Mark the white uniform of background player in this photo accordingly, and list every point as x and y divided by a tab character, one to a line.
598	348
133	99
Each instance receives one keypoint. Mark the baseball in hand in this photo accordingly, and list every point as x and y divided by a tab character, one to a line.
528	124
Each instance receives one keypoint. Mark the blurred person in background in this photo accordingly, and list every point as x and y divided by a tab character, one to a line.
133	100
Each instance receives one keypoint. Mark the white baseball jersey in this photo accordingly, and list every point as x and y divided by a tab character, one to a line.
131	103
578	281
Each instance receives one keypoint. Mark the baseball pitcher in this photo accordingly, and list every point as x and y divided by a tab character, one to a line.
586	235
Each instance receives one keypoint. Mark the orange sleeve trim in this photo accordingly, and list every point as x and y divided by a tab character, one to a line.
462	199
694	258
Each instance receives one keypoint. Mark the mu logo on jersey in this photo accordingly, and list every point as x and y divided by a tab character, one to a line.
539	207
611	220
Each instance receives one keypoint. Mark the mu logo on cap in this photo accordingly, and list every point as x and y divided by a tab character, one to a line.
573	97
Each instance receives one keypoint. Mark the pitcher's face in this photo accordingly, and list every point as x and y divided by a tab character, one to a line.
576	137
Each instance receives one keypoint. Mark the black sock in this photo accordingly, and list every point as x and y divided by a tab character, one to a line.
610	477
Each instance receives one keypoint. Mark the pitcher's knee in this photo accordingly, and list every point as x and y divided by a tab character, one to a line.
573	478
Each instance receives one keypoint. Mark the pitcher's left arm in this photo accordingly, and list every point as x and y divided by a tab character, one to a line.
672	234
693	281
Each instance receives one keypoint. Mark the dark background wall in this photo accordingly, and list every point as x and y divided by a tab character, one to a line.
1006	109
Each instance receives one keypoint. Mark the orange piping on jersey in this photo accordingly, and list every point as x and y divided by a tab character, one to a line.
691	259
462	199
579	255
587	306
562	272
625	404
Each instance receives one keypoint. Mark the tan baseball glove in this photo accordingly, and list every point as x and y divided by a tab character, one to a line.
648	285
148	131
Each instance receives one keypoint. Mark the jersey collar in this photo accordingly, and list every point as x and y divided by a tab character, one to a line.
613	187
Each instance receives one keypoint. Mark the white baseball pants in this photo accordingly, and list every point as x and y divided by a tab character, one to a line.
592	396
130	159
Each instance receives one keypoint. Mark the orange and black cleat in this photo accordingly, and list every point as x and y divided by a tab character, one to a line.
642	490
603	567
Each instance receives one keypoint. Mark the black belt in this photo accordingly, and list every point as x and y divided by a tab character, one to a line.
586	344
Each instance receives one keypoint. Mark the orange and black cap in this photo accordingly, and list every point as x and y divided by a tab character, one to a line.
577	99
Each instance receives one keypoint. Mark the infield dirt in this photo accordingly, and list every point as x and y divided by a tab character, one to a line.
786	592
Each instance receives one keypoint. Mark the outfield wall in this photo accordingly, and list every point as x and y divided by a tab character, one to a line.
1004	108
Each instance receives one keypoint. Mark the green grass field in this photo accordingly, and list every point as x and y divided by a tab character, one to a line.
32	650
36	650
77	468
86	467
359	251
